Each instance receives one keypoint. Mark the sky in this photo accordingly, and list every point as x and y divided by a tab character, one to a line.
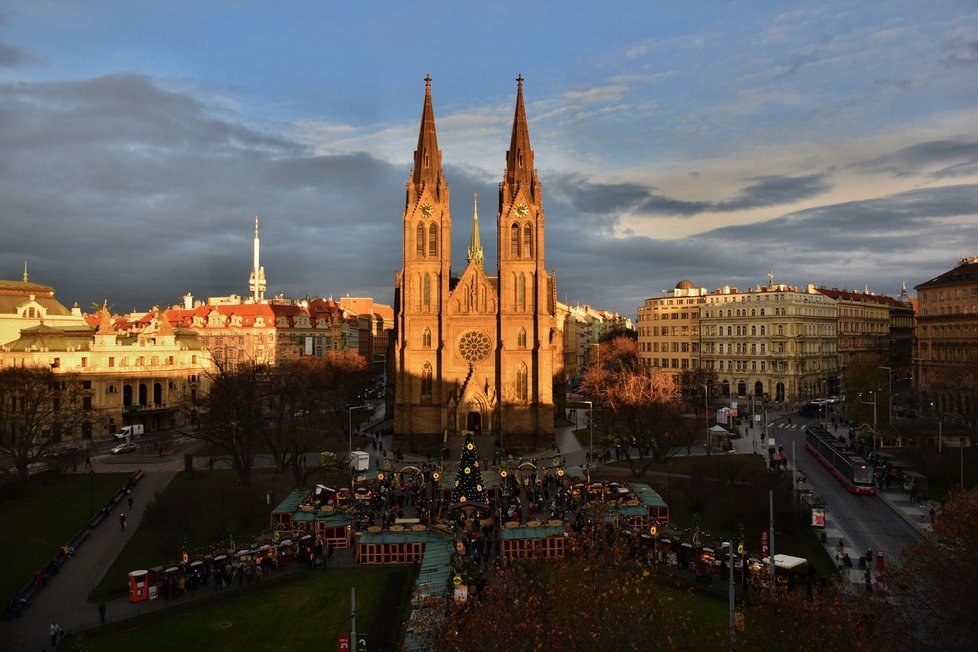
833	143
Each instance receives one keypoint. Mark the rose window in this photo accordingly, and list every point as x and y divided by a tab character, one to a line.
474	346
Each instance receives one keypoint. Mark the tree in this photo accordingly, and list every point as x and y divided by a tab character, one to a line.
929	599
641	403
591	600
863	380
310	398
469	487
233	413
37	409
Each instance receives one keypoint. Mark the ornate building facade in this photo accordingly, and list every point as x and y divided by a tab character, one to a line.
477	352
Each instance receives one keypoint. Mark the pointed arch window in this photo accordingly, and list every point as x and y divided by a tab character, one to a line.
521	383
514	241
521	291
420	240
426	338
528	240
432	241
426	379
521	339
426	291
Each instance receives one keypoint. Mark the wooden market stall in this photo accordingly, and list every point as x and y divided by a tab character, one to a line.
396	547
534	541
657	508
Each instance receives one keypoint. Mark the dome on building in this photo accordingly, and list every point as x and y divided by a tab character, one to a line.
684	284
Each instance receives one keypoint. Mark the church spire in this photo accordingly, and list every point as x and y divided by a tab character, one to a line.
475	245
519	158
427	157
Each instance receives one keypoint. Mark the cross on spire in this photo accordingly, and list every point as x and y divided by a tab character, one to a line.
519	80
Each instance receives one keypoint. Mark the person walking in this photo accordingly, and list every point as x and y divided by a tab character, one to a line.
130	501
101	611
840	548
122	521
55	631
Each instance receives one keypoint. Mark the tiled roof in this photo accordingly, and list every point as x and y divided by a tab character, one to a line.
961	274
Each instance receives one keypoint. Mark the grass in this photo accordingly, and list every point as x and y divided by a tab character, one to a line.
43	515
196	513
307	614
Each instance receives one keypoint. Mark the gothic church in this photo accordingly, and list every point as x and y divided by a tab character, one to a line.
476	352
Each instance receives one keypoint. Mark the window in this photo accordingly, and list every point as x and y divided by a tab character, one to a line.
432	240
521	291
763	331
528	240
521	383
521	339
426	338
426	379
426	291
514	241
420	240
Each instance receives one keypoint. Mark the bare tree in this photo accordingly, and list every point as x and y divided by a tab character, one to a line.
233	413
310	400
640	404
38	408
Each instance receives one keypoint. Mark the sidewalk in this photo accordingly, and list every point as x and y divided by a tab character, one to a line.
65	598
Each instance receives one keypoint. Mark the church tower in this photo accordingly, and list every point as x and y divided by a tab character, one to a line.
422	284
474	353
527	323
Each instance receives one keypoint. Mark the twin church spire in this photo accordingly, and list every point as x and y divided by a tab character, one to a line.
428	174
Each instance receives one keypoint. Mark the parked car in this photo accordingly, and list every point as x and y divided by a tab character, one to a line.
128	447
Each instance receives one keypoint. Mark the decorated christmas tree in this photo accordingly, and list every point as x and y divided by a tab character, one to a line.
468	481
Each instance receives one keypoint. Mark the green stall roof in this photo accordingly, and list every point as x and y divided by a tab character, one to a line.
647	495
291	502
526	532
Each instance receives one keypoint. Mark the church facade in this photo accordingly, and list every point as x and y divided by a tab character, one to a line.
480	351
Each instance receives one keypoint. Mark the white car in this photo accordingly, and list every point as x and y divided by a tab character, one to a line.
124	448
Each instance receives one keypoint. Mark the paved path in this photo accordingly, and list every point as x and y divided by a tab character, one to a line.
65	598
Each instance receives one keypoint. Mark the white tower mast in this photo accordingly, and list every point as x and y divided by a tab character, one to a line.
256	282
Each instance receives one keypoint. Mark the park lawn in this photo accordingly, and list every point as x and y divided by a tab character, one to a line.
203	511
307	614
43	516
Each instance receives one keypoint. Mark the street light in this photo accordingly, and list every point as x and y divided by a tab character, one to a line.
91	493
352	408
889	393
873	392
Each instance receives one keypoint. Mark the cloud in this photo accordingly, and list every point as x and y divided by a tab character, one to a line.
13	56
617	198
935	159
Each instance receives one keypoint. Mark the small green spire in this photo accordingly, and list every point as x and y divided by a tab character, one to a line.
475	245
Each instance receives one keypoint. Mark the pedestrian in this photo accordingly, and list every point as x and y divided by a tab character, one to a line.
55	631
840	547
122	521
130	502
868	579
101	611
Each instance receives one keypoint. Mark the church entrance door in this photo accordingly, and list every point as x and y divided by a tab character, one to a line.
473	422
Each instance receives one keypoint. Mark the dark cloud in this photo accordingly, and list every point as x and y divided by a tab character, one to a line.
936	159
12	56
963	53
119	188
616	198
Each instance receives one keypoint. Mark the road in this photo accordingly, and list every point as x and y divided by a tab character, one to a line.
866	521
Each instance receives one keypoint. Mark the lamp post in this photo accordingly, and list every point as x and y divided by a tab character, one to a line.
889	394
352	471
873	392
706	414
91	493
590	419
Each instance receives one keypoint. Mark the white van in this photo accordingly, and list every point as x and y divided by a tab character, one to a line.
360	461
